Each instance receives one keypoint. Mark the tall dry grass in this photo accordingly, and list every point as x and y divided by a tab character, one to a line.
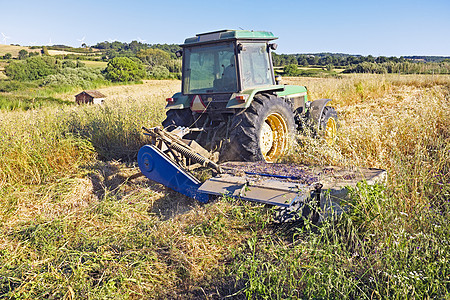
74	224
397	123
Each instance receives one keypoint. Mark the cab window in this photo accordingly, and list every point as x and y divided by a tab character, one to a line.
255	64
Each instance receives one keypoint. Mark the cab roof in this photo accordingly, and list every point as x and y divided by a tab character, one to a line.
224	35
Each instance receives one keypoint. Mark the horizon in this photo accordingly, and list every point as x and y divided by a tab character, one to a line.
384	28
299	53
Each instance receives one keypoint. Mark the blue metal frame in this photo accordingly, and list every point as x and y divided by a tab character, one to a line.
156	166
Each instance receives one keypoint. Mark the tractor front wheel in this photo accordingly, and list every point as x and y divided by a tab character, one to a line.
329	124
262	132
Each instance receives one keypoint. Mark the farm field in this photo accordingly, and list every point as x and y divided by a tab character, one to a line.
14	50
76	223
95	64
62	52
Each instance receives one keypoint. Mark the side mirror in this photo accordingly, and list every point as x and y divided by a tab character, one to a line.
273	46
179	53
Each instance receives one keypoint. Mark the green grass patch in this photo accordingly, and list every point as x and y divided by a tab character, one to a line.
14	102
7	86
363	254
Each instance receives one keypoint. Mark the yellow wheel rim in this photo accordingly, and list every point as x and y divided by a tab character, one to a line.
330	131
273	139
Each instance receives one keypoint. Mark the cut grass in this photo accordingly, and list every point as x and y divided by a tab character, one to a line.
72	225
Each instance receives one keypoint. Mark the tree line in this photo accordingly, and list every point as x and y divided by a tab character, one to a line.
123	49
149	62
136	60
362	64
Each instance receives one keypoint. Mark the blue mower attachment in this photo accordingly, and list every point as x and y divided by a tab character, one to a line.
157	166
166	161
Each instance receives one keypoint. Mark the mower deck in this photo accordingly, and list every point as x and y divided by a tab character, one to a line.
284	184
269	183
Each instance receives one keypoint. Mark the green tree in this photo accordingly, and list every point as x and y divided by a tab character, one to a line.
174	65
159	72
111	53
154	57
276	59
7	56
124	69
32	68
23	54
69	64
171	48
291	70
302	61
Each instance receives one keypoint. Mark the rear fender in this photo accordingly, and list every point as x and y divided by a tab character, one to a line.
315	111
250	94
180	101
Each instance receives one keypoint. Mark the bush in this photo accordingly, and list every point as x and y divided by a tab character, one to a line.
32	68
23	54
291	70
159	72
154	57
400	67
124	69
173	65
69	64
7	86
82	77
18	102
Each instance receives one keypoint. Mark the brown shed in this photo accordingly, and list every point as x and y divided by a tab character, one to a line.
91	97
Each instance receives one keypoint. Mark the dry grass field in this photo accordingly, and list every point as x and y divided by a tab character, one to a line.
76	224
62	52
14	50
95	64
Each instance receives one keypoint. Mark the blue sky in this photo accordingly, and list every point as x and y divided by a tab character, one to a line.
383	27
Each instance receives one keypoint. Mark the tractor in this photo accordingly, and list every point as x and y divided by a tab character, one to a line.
231	101
235	119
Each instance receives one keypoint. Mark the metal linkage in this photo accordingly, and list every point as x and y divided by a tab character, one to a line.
173	142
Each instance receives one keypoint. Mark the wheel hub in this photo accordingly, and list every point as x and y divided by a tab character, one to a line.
266	139
330	131
273	137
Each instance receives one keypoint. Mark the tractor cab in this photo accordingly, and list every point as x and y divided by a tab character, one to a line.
227	61
230	102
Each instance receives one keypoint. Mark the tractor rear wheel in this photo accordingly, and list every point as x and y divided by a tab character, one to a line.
263	131
329	124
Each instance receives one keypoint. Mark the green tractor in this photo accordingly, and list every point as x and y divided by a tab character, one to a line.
232	103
